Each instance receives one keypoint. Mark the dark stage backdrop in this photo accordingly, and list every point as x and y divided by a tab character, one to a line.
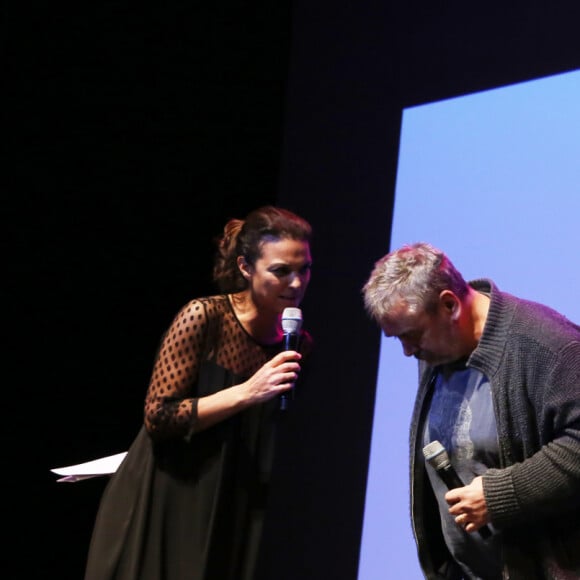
132	135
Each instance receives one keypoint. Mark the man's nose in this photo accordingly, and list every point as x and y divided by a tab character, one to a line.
408	348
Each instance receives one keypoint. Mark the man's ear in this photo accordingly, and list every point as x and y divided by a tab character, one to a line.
244	267
450	303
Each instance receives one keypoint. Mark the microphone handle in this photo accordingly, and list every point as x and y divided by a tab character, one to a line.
450	477
290	343
452	481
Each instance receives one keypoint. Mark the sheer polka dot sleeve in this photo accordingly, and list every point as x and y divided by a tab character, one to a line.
170	403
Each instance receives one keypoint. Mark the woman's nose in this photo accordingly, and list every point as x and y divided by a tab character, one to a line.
296	280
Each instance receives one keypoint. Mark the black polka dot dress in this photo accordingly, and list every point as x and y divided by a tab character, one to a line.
186	505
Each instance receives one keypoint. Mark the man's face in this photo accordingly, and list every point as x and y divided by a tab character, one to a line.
431	337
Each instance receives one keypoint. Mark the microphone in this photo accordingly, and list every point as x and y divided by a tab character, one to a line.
291	325
438	458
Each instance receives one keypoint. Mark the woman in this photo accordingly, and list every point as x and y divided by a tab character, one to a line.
188	501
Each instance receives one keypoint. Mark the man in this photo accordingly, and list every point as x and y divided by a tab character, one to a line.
499	388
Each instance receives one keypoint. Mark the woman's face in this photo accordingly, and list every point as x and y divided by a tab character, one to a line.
281	274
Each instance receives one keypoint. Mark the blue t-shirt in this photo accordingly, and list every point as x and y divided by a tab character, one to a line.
461	418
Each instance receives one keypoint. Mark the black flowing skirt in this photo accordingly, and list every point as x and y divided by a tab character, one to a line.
188	510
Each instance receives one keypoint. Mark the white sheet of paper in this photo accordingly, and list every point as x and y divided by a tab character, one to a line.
95	468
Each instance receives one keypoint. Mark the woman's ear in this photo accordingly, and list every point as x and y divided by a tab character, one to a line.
244	267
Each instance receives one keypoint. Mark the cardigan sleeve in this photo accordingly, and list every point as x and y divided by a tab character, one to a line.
547	482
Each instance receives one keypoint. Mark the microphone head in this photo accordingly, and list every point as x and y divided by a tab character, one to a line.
436	455
291	320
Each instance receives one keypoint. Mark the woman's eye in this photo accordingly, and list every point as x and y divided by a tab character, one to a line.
284	271
281	272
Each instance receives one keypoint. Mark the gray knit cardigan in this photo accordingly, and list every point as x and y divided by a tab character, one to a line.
531	356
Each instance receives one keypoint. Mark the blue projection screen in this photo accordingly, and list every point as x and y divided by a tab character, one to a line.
493	179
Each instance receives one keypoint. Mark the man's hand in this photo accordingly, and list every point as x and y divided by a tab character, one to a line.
468	505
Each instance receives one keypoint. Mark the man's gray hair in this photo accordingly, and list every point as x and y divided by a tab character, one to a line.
414	274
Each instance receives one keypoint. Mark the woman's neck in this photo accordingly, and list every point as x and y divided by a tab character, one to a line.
263	327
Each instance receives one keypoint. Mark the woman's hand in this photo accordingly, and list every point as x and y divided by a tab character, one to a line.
276	376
